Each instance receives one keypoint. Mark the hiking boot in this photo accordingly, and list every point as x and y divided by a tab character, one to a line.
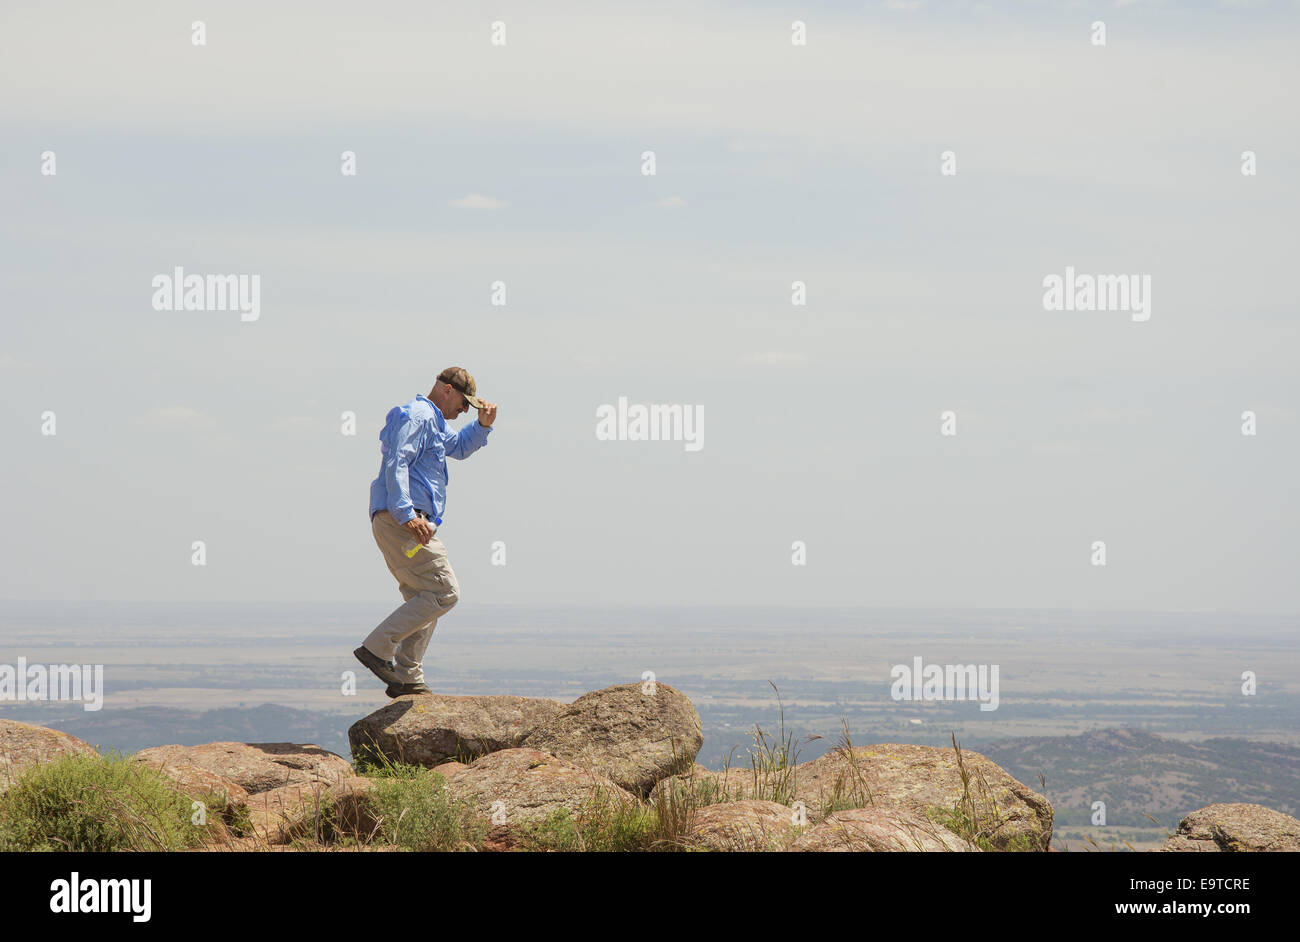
404	690
384	670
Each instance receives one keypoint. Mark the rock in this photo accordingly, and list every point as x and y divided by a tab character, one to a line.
901	777
256	767
277	814
428	730
878	829
530	785
198	782
280	815
352	814
1235	828
314	811
708	786
23	745
744	826
634	738
897	777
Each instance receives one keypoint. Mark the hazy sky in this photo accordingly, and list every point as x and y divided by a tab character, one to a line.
775	163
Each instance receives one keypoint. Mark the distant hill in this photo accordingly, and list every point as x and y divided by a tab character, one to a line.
1133	772
129	730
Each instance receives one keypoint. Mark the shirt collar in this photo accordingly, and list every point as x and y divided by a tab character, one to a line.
434	404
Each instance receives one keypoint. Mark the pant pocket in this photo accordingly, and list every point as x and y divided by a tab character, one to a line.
429	568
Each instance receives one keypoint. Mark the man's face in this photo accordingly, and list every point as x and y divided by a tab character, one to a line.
453	403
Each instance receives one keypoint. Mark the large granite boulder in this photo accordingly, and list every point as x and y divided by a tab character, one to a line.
634	737
921	779
1233	828
879	830
434	728
255	767
23	745
512	787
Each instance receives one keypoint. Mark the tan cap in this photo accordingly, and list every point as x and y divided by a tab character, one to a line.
459	379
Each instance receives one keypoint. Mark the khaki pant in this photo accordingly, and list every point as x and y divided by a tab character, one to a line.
429	587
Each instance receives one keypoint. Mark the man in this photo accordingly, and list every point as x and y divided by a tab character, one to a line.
406	505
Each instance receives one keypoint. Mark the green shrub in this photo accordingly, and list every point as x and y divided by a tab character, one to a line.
603	823
96	803
413	810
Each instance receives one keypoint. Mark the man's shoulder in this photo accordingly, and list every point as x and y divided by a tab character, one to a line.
417	410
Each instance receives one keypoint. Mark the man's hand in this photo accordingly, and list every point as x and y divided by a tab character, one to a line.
420	528
488	414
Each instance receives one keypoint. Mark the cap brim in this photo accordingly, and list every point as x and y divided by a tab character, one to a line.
474	401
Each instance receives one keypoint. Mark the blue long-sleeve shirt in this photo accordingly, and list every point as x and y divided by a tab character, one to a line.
414	445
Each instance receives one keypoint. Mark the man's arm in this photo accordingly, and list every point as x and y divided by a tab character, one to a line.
469	439
401	441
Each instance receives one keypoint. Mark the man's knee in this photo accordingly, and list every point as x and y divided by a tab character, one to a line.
435	581
449	596
444	594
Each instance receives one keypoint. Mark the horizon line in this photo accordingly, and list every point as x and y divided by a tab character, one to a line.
687	605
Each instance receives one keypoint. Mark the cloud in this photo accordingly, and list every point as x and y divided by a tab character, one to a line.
477	201
734	74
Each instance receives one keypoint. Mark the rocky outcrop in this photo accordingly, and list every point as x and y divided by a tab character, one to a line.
632	736
431	729
879	830
23	746
893	777
917	779
512	762
512	787
744	826
1235	828
255	767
